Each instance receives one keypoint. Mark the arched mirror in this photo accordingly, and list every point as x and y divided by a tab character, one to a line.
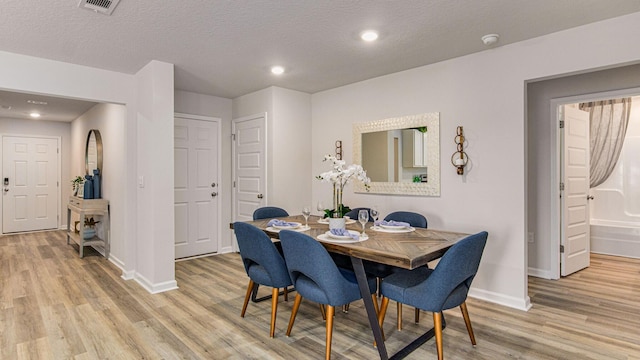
93	152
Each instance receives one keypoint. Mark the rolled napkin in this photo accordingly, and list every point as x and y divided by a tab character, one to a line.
393	223
278	222
345	232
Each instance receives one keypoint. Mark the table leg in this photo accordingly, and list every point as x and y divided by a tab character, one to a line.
361	276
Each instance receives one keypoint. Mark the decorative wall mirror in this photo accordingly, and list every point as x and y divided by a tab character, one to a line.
401	155
93	152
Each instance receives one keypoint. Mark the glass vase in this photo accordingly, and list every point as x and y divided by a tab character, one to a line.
337	201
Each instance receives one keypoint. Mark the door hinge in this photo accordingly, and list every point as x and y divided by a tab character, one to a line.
58	183
234	183
561	186
233	137
561	249
58	150
561	124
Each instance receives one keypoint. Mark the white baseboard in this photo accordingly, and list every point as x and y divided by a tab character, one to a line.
155	288
226	249
540	273
501	299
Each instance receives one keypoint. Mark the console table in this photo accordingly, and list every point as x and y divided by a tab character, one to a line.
86	208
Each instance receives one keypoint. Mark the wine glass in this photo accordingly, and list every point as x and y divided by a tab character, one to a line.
374	214
320	208
306	211
363	217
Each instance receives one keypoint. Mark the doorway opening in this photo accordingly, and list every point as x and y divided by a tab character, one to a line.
611	209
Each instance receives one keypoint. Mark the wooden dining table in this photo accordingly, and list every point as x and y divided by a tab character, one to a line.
408	250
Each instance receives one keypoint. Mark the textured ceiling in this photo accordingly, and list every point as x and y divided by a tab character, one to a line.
225	48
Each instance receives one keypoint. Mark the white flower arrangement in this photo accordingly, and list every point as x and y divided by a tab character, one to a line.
340	176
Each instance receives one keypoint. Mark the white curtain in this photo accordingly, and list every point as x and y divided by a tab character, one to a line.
608	126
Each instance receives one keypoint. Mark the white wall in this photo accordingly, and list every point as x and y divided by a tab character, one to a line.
110	120
205	105
155	198
20	127
288	139
485	93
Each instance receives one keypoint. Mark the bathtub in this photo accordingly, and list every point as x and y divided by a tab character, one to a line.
621	238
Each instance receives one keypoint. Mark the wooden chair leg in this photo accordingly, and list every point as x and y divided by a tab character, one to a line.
330	312
286	293
345	308
324	314
374	297
274	310
247	297
383	310
437	326
467	321
417	315
399	306
294	312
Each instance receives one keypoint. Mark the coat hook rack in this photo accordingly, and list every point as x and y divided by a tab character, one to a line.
459	159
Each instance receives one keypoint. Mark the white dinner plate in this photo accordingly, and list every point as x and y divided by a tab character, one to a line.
393	227
292	225
299	228
396	230
324	237
325	221
343	237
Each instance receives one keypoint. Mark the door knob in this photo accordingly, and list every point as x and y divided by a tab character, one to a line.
213	184
259	196
5	189
214	194
589	197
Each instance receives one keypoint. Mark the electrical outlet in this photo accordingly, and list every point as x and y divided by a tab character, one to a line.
530	238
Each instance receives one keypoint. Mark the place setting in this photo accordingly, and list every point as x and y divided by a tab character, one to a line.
275	225
341	235
392	226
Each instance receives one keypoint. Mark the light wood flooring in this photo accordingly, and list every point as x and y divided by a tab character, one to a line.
54	305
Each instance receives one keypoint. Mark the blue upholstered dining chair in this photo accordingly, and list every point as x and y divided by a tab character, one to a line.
317	278
438	289
414	219
353	213
269	212
264	265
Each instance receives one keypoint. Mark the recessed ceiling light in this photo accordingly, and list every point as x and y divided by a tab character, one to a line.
34	115
369	35
278	70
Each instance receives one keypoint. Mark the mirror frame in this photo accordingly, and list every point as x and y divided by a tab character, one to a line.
96	133
432	186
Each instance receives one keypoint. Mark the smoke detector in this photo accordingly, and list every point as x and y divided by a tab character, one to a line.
490	39
100	6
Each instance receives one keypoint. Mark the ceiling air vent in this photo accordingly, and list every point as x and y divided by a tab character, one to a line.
100	6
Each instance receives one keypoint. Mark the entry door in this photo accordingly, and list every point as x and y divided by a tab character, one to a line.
575	237
30	183
196	159
250	168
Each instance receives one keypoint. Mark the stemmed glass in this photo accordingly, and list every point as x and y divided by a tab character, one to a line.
363	217
306	211
320	208
374	214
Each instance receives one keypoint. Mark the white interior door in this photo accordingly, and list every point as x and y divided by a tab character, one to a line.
30	183
196	161
250	168
575	239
